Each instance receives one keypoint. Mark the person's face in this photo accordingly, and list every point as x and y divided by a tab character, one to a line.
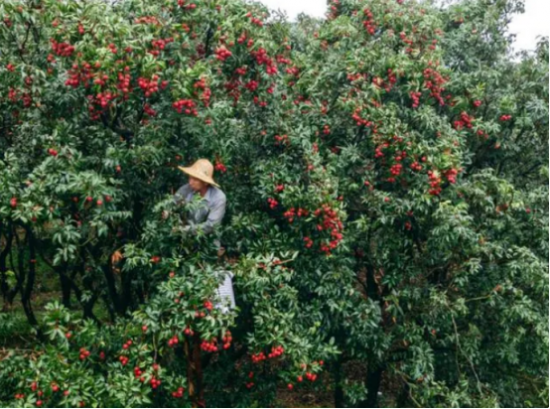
196	184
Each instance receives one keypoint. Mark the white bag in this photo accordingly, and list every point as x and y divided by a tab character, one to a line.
225	292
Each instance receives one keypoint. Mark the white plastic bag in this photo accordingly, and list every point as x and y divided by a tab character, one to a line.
225	292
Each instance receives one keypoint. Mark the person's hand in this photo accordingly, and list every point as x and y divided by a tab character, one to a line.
116	257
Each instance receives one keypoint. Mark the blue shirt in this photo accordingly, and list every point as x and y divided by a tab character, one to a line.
211	208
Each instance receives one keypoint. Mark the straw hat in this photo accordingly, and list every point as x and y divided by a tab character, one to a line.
202	169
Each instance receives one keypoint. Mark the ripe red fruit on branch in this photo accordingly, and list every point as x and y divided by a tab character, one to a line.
52	152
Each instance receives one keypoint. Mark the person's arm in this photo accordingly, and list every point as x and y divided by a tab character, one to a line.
215	217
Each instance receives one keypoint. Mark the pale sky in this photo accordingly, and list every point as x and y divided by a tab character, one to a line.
527	26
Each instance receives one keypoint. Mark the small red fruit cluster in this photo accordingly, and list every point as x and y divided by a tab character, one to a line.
154	382
84	353
223	53
62	49
123	360
52	152
505	118
185	105
173	341
281	139
149	86
208	305
272	203
308	242
220	167
178	393
211	346
127	344
227	340
435	182
276	351
464	121
369	22
13	202
415	96
291	213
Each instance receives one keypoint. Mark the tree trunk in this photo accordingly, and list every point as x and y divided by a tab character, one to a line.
374	379
338	390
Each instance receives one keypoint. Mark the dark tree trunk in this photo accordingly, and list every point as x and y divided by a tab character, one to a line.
26	290
374	379
65	289
338	390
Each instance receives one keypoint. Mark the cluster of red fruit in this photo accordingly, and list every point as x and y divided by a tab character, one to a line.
154	382
188	331
254	20
308	242
148	110
159	45
326	129
146	20
190	6
185	105
155	259
252	85
331	222
211	346
416	166
464	121
291	213
206	92
123	360
149	86
178	393
263	59
223	53
227	339
395	170
451	175
360	121
435	182
173	341
434	81
62	49
103	98
220	167
477	103
84	353
272	203
415	96
369	22
208	305
10	67
13	202
276	351
137	372
281	139
52	152
505	118
242	39
124	81
378	151
127	344
259	357
404	38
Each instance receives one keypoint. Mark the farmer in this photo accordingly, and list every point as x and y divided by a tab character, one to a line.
212	209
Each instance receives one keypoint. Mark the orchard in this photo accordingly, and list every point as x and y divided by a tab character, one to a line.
386	173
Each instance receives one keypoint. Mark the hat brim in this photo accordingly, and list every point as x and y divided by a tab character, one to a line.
196	175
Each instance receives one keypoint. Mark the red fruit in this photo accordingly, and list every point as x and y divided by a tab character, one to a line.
13	202
144	328
290	386
300	378
38	403
68	335
52	152
34	386
89	198
108	198
99	202
172	274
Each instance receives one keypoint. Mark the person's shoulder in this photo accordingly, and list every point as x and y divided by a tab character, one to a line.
184	188
218	194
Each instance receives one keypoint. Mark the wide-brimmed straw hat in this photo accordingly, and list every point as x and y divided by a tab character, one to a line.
202	169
